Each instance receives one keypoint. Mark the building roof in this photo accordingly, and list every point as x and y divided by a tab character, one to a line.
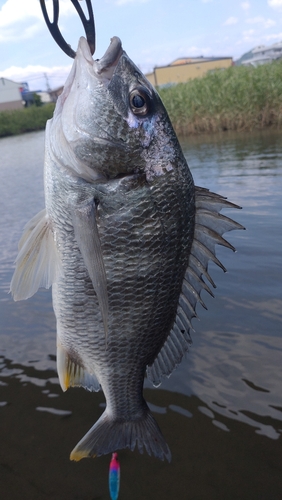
261	54
2	78
191	60
186	60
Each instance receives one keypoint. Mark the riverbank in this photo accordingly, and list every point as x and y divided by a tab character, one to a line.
238	98
24	120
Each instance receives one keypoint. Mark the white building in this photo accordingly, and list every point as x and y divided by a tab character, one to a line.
10	95
263	54
45	96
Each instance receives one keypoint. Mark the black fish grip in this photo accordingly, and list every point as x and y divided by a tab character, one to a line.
88	24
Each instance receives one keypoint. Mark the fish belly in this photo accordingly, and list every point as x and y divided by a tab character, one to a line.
145	232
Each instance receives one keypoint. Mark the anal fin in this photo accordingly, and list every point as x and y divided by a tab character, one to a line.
72	373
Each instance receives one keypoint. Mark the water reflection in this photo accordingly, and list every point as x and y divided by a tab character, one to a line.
213	456
230	380
245	340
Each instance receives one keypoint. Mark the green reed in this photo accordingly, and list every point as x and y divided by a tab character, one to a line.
238	98
24	120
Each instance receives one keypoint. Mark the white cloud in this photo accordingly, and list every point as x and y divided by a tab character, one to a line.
20	20
255	20
245	5
247	34
124	2
267	23
14	11
273	37
34	75
231	20
10	34
276	4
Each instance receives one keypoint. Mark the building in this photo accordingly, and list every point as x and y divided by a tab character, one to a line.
44	96
54	94
261	55
10	95
186	69
34	97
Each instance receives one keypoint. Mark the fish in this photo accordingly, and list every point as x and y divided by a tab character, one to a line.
125	240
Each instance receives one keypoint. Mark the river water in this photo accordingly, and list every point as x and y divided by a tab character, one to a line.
220	411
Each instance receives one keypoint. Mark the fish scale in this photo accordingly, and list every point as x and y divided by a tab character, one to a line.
125	241
133	311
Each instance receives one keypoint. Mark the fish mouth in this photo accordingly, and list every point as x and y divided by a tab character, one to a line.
104	68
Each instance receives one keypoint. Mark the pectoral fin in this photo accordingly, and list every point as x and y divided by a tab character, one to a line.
38	263
87	237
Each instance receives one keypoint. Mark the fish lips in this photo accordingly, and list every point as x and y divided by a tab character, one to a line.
103	68
107	65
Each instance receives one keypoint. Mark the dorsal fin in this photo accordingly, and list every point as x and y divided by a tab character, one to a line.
209	227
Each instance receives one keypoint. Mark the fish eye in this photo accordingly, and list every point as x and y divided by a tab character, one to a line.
139	102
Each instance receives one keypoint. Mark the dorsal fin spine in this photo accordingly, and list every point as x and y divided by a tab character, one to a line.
209	227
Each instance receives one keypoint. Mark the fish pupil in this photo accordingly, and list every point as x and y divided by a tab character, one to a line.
138	101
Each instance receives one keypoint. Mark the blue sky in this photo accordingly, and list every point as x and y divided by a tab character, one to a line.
153	33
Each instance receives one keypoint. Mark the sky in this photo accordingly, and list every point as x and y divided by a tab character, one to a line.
153	33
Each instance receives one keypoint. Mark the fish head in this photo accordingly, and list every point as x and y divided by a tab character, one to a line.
110	121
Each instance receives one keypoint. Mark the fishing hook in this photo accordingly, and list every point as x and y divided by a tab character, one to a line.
89	25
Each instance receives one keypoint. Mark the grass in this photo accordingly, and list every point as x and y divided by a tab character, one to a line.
25	120
238	98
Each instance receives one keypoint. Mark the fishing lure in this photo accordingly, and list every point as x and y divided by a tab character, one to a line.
114	477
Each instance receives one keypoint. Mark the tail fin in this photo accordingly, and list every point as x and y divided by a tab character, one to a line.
109	435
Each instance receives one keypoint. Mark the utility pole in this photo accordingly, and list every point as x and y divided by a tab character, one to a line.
47	83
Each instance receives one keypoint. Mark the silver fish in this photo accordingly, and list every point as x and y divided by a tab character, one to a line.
125	240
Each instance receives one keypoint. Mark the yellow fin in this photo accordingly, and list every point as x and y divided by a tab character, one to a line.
72	372
78	455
